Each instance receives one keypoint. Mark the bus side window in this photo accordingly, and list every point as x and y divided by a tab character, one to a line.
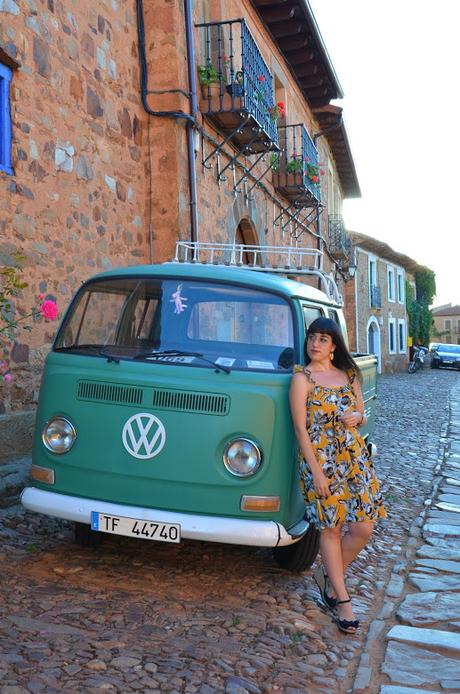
311	313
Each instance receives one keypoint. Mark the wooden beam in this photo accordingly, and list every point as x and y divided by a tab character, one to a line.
310	82
279	14
306	69
292	43
281	29
298	55
316	92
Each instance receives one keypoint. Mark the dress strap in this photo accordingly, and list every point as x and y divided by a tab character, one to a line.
298	368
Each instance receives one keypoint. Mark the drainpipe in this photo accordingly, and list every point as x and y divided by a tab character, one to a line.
356	303
192	133
191	120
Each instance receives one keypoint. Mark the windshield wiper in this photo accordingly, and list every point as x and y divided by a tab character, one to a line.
98	350
180	353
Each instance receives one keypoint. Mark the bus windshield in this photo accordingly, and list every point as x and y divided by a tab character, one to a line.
135	318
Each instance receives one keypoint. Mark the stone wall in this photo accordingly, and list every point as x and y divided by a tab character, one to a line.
97	182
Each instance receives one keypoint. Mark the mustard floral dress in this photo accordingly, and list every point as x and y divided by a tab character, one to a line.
343	455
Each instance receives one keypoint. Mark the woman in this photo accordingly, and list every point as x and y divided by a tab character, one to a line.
336	474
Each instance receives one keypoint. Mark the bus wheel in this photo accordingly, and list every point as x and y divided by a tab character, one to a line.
300	555
85	537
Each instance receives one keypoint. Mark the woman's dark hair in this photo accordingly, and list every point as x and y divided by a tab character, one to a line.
342	357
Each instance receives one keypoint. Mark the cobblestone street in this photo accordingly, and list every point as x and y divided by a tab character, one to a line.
139	616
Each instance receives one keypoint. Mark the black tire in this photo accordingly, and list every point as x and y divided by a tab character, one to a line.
412	367
301	555
85	537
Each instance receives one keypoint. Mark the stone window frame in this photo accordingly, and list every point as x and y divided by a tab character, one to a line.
391	284
373	274
6	133
401	336
400	287
392	333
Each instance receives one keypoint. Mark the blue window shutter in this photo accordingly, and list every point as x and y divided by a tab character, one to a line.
5	119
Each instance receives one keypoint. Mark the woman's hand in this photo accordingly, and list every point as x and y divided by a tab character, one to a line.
321	484
352	419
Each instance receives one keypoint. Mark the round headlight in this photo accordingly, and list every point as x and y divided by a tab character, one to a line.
59	435
242	457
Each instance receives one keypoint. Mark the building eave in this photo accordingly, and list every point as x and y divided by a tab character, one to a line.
385	252
293	27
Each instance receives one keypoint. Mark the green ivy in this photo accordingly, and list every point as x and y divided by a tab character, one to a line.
420	318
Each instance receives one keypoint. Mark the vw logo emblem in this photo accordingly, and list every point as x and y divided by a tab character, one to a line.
143	436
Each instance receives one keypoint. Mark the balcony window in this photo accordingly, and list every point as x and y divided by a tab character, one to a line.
296	170
237	87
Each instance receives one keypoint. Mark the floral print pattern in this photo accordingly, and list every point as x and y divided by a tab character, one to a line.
343	455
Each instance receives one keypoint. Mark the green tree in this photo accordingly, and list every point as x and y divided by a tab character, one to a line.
420	318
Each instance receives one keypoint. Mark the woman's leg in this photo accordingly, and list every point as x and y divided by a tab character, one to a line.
355	539
331	554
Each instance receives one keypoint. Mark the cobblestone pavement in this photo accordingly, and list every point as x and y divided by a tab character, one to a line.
135	616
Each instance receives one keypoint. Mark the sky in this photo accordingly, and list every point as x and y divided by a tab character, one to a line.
398	63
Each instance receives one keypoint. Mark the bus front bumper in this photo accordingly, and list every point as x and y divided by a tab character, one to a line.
238	531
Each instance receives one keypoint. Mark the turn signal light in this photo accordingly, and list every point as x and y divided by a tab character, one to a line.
260	503
42	474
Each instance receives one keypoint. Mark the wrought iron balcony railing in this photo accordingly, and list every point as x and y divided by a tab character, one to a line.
296	169
237	87
376	297
337	236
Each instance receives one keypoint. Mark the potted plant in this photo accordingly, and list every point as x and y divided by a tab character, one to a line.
208	74
274	161
277	111
294	165
313	173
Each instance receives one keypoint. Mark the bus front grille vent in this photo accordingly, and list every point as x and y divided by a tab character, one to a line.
109	392
185	401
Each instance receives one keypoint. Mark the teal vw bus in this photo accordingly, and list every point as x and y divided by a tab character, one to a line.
163	410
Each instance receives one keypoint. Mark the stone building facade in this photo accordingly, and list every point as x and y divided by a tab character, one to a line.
375	302
113	159
446	324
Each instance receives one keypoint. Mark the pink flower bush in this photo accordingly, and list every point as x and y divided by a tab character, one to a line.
49	310
12	320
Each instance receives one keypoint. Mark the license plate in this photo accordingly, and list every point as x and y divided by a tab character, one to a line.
133	527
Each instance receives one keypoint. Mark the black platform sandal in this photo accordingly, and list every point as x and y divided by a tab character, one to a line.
320	578
348	626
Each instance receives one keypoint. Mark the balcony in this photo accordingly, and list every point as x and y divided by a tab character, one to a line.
296	170
338	245
376	297
237	87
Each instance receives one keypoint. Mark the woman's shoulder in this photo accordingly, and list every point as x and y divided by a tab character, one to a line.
305	371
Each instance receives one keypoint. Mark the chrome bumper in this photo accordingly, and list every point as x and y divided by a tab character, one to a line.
237	531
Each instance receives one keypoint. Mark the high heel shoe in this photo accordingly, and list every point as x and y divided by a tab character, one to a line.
348	626
321	581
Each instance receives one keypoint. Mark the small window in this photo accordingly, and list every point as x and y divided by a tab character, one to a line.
391	283
392	336
400	287
5	119
401	336
310	314
447	323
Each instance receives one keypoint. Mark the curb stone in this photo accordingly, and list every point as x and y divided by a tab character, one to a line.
406	661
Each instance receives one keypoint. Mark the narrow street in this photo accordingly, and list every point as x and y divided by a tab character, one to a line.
139	616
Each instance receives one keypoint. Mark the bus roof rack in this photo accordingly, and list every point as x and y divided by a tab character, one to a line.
286	260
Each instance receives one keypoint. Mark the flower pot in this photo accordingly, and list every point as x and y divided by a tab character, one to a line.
235	89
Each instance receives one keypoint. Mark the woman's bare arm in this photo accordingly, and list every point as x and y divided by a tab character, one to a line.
298	393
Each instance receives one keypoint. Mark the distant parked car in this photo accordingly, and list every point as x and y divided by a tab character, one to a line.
445	355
